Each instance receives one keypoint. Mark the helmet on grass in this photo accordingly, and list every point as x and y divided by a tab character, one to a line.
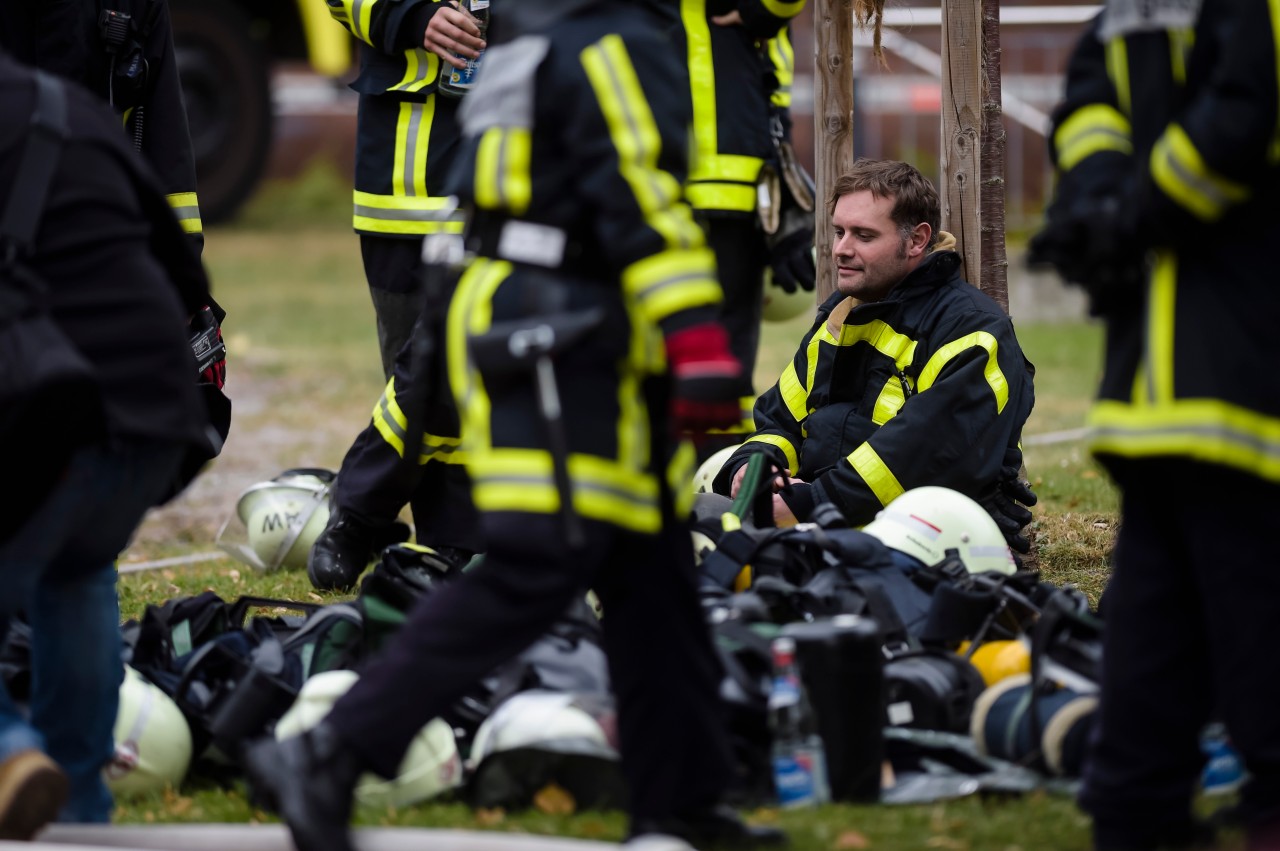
276	522
925	522
152	740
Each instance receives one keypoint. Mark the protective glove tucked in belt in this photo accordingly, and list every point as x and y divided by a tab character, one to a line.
205	334
791	251
706	378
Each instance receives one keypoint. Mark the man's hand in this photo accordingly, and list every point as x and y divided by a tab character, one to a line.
1007	503
732	19
453	31
780	479
782	516
791	252
706	378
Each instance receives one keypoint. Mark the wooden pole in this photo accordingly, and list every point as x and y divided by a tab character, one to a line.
833	120
994	278
962	128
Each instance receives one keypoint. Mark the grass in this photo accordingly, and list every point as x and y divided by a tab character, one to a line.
304	375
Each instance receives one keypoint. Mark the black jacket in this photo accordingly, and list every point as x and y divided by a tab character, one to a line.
927	387
1190	117
122	280
63	36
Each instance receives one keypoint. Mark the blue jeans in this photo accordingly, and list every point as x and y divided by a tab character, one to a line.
60	568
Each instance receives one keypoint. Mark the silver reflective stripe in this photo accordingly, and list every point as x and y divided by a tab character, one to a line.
504	95
402	215
411	148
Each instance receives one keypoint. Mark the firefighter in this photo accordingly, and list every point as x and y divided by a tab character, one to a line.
122	50
740	66
582	340
406	137
921	383
1167	148
407	140
120	282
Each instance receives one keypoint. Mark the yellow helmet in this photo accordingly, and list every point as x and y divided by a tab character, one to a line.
999	660
925	522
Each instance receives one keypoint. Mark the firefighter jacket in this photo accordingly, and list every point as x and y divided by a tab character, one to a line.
138	75
575	151
734	73
406	136
1188	107
926	387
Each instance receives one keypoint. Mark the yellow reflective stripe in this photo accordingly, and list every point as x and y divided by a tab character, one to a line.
1273	9
721	196
506	479
390	421
795	395
1088	130
1204	429
421	68
502	169
702	80
793	457
635	136
187	208
980	339
880	335
732	168
684	462
413	132
403	214
1180	42
746	423
868	464
1162	308
1117	59
1183	175
783	56
355	15
783	8
671	281
889	402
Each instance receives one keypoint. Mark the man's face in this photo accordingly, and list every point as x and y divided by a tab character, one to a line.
870	253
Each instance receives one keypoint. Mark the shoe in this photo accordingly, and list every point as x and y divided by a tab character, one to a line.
32	792
345	548
706	830
308	780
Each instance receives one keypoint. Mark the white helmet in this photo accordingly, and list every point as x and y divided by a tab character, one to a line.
926	522
153	741
780	305
276	522
430	767
710	468
548	720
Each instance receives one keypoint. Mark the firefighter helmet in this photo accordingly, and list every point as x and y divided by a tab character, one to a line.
430	767
152	740
710	468
276	522
925	522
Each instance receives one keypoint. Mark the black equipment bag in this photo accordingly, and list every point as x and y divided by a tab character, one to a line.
50	403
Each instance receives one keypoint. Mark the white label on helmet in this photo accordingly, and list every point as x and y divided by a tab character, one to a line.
901	713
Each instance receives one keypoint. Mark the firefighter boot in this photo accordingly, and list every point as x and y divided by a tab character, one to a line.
309	781
709	829
346	546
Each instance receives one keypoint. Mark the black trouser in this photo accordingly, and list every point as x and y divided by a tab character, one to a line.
378	478
1190	615
393	268
741	257
664	673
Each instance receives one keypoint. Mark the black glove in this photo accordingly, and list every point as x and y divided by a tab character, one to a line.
791	251
1007	502
1094	241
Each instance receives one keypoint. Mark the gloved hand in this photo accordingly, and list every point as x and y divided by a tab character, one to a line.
1094	241
205	335
1008	500
706	378
791	251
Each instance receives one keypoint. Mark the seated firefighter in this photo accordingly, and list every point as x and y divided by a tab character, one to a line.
910	376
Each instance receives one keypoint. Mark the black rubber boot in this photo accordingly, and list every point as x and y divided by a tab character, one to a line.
345	548
308	780
716	828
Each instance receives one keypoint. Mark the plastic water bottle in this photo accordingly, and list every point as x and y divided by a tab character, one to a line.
456	82
1224	770
799	760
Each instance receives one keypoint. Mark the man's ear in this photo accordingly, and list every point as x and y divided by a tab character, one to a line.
920	236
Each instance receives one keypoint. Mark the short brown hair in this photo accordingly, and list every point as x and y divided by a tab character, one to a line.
915	199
